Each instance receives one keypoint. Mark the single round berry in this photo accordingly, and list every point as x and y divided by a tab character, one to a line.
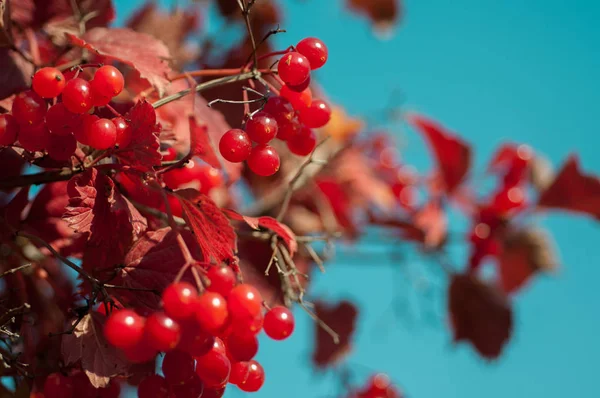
288	129
300	87
222	280
98	100
29	109
248	376
303	143
124	132
61	148
279	323
124	328
108	81
9	129
299	100
213	392
248	326
177	177
209	178
293	68
219	346
60	121
48	82
192	388
241	347
316	115
58	386
101	134
162	332
194	340
83	129
244	301
263	160
180	300
34	138
211	312
178	367
314	50
153	386
77	96
262	128
213	368
280	108
235	146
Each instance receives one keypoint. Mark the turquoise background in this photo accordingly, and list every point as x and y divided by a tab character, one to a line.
519	70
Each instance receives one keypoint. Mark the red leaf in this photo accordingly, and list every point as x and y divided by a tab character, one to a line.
99	360
201	144
380	12
453	155
11	212
209	224
144	149
141	51
152	263
36	13
572	190
234	215
480	314
525	252
16	73
341	318
98	209
339	201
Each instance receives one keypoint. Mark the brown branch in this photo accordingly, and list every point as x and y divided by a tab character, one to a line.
13	270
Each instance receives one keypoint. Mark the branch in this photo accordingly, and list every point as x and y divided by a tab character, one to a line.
13	270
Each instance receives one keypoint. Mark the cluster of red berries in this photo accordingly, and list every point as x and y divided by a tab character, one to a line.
209	339
58	128
290	117
378	386
58	385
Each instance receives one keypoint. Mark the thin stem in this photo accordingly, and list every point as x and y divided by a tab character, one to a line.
245	7
323	325
13	270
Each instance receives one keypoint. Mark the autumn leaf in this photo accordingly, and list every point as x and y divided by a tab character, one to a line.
201	144
525	252
340	317
5	24
16	73
453	155
140	51
152	263
572	190
144	149
479	314
209	224
99	210
37	13
99	360
380	12
11	212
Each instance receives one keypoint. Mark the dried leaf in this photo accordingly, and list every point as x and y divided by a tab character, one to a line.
16	73
525	252
201	144
453	155
480	314
340	317
141	51
209	224
572	190
99	360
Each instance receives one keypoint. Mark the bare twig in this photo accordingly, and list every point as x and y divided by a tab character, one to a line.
13	270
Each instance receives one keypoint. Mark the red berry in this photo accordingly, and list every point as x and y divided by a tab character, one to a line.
108	81
288	129
262	128
58	386
316	115
28	108
245	302
113	390
299	100
34	138
241	346
263	160
81	384
161	332
48	82
169	154
314	50
209	178
179	300
124	328
222	280
193	388
213	368
194	340
141	352
82	131
303	143
211	312
9	129
77	96
235	146
248	376
124	132
178	367
279	323
213	392
101	134
153	386
61	148
293	68
60	121
249	326
219	346
280	108
98	100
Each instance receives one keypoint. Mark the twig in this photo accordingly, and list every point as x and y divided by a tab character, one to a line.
13	270
245	7
323	325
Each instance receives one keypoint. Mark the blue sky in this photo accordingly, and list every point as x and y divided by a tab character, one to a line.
493	71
